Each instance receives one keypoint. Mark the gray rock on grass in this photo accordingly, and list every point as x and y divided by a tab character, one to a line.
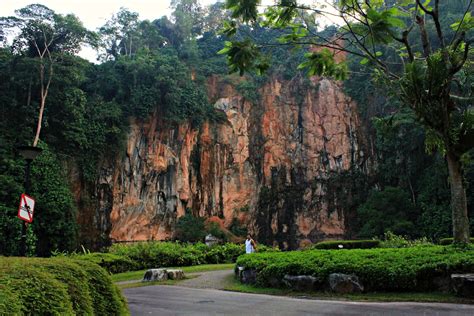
345	283
301	282
163	275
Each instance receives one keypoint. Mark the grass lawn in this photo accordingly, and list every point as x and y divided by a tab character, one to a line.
138	275
236	286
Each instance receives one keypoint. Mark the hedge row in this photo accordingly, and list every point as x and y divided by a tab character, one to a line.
347	244
145	255
57	286
449	241
391	269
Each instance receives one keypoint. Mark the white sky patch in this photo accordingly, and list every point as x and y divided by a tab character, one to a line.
94	13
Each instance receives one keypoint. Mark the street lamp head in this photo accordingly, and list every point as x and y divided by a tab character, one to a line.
29	152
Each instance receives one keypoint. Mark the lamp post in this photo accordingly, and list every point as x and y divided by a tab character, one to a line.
29	153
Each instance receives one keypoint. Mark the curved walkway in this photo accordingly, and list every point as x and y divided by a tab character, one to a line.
217	280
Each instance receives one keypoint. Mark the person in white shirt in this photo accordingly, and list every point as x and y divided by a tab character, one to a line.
250	245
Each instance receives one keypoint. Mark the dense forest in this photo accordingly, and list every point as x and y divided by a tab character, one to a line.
161	67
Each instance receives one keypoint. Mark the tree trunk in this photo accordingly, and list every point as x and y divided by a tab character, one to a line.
458	200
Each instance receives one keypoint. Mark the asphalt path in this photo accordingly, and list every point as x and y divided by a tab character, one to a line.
177	300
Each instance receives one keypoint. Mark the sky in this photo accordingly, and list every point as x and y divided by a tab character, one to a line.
94	13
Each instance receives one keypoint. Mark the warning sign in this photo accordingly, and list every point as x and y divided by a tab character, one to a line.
27	206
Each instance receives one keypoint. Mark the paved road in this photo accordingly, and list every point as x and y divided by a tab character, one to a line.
217	280
176	300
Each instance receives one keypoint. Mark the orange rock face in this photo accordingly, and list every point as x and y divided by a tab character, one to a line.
268	165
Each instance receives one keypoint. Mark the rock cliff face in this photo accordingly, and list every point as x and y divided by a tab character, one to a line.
279	165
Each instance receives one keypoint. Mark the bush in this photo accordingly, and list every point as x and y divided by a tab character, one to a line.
449	241
395	241
59	286
160	254
387	210
190	228
145	255
395	269
111	262
347	244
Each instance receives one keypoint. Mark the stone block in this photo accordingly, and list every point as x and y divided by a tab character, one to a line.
463	284
345	283
155	275
175	274
301	282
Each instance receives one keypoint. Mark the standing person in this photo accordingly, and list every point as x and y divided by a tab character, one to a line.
250	245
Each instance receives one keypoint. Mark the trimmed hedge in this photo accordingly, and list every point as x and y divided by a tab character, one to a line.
347	244
146	255
391	269
57	286
110	262
449	241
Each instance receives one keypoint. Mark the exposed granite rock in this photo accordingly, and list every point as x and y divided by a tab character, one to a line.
282	165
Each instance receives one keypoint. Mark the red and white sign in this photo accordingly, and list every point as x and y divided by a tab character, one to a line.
27	206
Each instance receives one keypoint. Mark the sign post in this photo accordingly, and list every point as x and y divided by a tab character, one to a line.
26	209
27	203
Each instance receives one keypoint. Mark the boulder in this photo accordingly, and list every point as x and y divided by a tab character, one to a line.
155	275
175	274
246	276
345	283
463	284
300	282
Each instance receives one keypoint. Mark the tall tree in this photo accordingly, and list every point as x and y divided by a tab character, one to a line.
412	50
118	35
44	36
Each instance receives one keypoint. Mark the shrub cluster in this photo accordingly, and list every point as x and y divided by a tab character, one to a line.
57	286
391	269
145	255
449	241
392	240
111	262
347	244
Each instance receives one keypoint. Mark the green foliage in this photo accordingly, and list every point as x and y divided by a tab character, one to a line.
449	241
244	56
111	262
237	228
107	298
249	90
160	254
391	240
322	63
54	204
146	255
346	244
190	228
57	286
397	269
387	210
215	230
